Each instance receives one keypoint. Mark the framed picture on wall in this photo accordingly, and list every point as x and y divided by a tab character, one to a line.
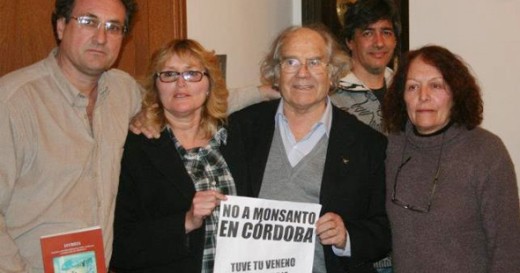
222	61
331	13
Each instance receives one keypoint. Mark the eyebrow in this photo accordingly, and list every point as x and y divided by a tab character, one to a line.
187	67
429	80
377	28
294	57
97	17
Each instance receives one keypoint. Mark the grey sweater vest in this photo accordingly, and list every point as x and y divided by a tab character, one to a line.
300	183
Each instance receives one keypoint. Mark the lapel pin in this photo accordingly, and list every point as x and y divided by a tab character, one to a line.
344	160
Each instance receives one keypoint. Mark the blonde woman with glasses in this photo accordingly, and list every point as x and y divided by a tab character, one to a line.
171	187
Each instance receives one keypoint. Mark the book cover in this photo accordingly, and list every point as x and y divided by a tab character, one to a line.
77	251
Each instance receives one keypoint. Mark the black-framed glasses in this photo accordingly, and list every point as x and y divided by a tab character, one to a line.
173	76
92	23
406	205
293	65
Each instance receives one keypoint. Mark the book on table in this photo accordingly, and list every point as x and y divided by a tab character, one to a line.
79	251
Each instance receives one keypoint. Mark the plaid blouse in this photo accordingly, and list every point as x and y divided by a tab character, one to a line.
209	171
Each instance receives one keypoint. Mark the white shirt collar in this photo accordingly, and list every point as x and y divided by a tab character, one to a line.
298	150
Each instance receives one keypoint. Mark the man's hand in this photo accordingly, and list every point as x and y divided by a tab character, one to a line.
139	125
331	230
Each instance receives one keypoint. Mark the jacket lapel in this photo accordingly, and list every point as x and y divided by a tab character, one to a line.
338	152
163	155
262	136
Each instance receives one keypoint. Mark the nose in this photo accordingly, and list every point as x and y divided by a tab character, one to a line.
379	39
181	82
424	94
100	35
303	70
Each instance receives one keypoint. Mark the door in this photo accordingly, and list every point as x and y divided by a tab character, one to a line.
26	34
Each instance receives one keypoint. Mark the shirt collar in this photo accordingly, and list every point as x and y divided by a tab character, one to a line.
353	83
70	92
326	118
218	139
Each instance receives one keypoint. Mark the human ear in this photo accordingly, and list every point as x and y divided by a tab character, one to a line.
60	27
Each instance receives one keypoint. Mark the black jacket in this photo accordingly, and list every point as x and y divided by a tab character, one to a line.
155	192
353	184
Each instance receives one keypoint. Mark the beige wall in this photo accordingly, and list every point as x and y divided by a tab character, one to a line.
487	35
241	29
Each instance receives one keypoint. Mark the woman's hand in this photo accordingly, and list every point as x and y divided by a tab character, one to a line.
203	204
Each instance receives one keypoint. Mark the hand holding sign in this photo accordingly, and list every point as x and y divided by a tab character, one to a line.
331	230
203	204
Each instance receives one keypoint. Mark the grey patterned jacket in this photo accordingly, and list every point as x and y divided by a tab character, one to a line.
354	97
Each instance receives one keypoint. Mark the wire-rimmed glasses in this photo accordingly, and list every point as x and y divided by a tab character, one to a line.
93	23
293	65
407	205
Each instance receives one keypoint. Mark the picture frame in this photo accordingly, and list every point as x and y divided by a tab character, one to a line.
222	61
329	12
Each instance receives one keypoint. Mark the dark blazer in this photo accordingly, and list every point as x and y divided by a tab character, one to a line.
155	192
353	183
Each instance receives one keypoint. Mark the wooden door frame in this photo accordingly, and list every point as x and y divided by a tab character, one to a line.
154	26
27	38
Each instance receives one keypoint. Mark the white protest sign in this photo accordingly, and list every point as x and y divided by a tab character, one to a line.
257	235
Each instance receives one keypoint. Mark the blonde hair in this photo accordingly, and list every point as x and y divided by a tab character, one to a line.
214	112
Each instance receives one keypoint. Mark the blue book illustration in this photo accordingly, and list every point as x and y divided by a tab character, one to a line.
84	262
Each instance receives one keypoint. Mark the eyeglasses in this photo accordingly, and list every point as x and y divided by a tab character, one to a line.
292	65
406	205
173	76
93	23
